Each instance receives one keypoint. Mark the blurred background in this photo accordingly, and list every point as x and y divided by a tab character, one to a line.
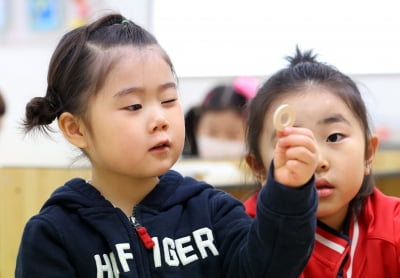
210	42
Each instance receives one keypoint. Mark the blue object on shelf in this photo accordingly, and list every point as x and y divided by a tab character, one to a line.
3	14
44	15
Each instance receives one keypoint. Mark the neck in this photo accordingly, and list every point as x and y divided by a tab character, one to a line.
335	221
124	193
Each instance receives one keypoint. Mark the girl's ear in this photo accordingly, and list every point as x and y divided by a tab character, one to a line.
258	169
370	155
73	129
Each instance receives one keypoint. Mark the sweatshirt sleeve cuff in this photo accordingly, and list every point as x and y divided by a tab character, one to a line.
286	200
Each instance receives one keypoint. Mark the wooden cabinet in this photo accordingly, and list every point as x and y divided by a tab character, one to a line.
386	169
22	192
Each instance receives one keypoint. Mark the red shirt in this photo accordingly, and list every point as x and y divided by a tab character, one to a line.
250	205
371	249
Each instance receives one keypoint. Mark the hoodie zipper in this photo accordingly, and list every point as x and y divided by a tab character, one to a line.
141	232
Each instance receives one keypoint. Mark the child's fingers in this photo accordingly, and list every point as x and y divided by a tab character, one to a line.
297	140
301	154
295	173
294	130
296	156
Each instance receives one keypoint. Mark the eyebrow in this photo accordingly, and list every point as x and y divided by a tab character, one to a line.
133	90
335	118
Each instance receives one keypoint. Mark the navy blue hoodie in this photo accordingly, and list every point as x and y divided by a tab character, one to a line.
198	231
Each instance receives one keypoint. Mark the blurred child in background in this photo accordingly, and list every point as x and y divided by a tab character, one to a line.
2	108
216	128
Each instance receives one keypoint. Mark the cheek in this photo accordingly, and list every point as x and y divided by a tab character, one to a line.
267	142
266	147
177	124
351	170
354	167
203	127
238	132
181	128
267	154
356	156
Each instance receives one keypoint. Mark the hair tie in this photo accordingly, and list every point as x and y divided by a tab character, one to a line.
125	21
55	103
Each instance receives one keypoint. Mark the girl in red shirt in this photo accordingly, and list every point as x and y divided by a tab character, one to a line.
358	232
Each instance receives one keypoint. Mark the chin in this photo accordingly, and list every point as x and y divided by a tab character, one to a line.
324	212
164	167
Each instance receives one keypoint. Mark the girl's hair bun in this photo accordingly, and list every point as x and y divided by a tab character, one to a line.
302	57
39	112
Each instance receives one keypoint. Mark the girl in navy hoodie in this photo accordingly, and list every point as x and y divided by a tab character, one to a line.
113	91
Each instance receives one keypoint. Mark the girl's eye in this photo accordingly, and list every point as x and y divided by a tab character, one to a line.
335	137
134	107
169	101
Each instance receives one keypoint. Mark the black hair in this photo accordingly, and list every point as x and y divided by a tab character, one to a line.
304	70
79	66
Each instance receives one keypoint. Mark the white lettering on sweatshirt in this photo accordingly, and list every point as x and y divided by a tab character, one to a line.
109	263
184	250
173	252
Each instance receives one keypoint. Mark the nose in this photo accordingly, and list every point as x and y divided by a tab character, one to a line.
323	164
159	122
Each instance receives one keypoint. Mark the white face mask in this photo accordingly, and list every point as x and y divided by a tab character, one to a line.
209	147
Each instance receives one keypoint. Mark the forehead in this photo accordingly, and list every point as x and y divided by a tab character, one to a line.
312	104
223	118
109	61
129	56
224	123
135	65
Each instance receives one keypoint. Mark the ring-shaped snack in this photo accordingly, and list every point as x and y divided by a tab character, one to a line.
284	116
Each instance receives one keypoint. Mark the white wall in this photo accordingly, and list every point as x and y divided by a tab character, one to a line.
232	37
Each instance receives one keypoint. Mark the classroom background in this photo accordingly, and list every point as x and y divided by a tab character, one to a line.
210	42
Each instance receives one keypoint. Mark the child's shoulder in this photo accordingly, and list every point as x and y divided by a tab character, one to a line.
381	214
74	194
176	189
380	201
177	180
186	187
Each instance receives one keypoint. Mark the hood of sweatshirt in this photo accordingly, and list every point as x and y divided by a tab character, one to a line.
172	189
